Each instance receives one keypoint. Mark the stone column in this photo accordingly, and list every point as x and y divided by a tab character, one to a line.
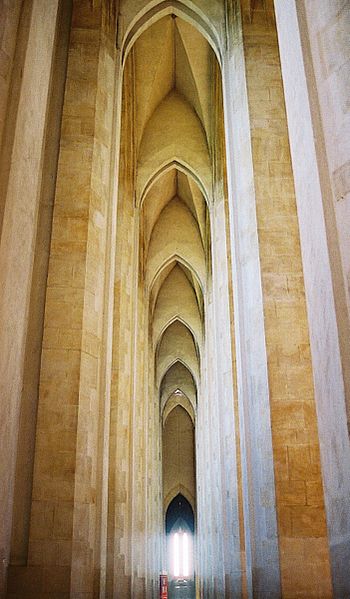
323	286
119	560
302	534
21	205
34	333
62	548
260	521
224	396
14	28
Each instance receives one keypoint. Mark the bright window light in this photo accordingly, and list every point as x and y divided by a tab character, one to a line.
180	557
185	555
176	555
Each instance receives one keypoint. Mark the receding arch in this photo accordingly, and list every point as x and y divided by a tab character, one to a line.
177	342
173	259
179	165
168	308
178	400
171	364
176	124
193	369
179	453
178	376
182	321
170	183
176	232
155	10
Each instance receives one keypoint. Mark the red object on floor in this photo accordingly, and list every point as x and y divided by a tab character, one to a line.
163	586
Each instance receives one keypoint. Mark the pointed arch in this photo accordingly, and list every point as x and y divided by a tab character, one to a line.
156	10
183	342
171	512
179	490
172	260
176	123
181	320
176	164
169	366
167	305
173	378
178	400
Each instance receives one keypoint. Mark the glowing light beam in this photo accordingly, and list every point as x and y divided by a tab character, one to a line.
185	555
176	555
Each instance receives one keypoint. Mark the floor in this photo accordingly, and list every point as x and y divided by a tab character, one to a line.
182	589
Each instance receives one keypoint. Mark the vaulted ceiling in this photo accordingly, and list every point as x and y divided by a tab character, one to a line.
173	73
172	59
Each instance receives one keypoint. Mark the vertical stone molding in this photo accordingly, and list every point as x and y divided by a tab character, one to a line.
261	539
21	206
224	396
32	359
120	440
302	533
15	21
322	283
64	535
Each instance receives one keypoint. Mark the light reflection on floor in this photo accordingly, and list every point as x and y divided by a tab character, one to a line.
181	588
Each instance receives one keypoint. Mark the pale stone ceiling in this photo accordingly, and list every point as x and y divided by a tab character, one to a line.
173	70
167	306
177	377
173	66
171	56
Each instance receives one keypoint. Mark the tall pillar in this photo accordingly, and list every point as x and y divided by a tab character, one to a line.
321	259
302	534
224	397
260	519
14	18
65	516
21	206
34	333
118	580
